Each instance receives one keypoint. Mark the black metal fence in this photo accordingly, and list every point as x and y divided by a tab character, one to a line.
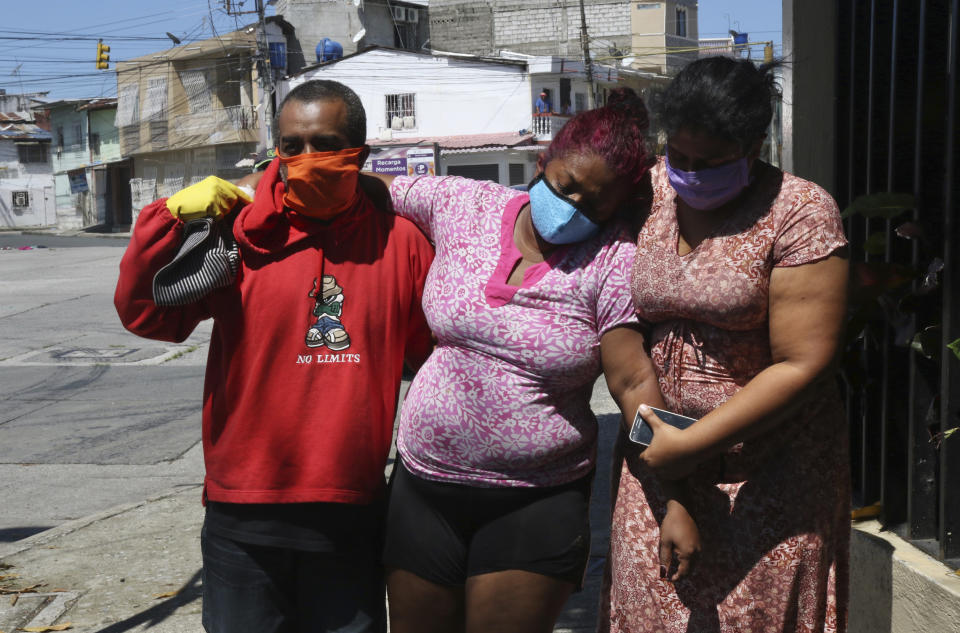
897	134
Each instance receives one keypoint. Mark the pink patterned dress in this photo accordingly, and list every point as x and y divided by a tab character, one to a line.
773	512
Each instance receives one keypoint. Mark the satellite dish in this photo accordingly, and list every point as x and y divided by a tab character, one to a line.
359	35
627	61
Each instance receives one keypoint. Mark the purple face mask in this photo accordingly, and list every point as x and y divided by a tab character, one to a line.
710	188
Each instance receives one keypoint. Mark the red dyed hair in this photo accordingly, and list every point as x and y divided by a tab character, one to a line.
616	132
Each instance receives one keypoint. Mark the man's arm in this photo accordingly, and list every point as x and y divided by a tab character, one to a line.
155	240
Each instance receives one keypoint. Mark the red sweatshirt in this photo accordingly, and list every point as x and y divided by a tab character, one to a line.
285	421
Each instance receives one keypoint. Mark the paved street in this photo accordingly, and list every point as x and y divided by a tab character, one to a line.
93	418
90	415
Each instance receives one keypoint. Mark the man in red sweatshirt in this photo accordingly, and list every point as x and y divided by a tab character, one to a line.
303	371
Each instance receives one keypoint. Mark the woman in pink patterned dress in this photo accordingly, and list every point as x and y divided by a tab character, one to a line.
529	299
740	274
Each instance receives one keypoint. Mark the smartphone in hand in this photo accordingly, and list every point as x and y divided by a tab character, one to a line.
642	434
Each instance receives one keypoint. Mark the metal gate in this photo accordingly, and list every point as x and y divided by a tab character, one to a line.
897	121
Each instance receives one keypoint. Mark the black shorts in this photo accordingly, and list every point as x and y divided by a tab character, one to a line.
447	532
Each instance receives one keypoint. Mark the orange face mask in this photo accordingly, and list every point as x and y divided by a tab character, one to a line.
322	185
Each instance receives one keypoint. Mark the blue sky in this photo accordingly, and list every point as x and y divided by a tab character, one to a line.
65	67
761	19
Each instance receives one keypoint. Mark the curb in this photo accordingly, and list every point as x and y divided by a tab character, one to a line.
41	538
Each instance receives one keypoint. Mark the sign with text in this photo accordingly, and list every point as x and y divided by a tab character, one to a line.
405	161
78	181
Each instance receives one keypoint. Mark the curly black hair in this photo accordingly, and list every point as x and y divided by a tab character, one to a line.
726	98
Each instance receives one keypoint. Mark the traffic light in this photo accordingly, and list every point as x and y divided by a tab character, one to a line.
103	55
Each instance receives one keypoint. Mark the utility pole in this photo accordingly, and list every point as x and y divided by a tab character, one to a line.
264	71
587	64
266	76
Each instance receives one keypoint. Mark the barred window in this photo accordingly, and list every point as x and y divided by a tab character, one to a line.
155	103
128	105
32	152
197	87
402	111
681	22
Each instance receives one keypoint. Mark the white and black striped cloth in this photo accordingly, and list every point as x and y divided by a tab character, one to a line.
207	260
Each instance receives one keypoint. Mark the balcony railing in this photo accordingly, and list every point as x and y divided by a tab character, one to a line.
219	120
547	124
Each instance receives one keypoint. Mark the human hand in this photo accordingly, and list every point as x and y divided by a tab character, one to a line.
669	454
680	538
211	197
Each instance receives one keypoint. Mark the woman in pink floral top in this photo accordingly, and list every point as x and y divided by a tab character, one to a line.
529	300
740	274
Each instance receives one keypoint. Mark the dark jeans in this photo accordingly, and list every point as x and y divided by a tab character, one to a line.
264	589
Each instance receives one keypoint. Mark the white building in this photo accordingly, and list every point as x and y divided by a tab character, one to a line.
475	112
26	174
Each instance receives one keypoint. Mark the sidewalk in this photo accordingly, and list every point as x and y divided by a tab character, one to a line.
137	567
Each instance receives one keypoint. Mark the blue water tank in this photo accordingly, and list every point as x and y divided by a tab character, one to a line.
328	50
741	38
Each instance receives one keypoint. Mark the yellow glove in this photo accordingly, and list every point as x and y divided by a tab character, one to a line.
212	197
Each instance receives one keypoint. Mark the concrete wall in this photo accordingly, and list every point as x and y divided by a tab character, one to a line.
535	27
39	212
502	158
896	588
809	125
341	21
655	30
11	167
453	96
75	154
102	122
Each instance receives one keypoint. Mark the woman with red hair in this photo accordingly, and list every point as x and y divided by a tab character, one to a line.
529	301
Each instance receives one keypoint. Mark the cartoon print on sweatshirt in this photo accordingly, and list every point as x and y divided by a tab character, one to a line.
328	308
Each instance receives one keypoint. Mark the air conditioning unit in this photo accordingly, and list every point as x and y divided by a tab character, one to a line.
413	15
400	14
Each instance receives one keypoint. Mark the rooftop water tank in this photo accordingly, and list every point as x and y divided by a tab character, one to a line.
328	50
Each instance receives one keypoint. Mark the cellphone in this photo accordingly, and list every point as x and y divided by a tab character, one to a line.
642	434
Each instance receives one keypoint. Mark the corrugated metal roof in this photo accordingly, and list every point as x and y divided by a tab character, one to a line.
99	104
15	117
23	131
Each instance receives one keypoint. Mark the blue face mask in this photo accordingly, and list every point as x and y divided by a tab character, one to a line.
556	218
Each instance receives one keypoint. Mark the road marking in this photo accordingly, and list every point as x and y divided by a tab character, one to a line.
87	357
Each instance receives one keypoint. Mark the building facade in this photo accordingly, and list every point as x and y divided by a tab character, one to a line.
91	176
664	35
355	26
478	112
659	37
26	172
196	110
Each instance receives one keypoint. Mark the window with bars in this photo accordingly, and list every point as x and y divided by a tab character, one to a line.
128	105
32	152
197	87
402	111
681	22
155	102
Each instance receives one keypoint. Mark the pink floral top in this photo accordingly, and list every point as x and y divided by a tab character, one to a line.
504	400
